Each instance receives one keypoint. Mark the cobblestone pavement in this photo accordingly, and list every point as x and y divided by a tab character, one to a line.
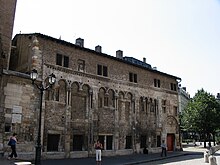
190	154
194	158
183	160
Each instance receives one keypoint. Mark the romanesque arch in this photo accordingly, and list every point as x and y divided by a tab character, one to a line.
128	108
121	106
101	98
171	124
60	91
79	100
111	98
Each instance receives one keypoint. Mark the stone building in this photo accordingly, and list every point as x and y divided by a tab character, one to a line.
7	14
120	100
184	98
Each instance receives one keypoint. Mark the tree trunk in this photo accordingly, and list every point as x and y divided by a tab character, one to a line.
205	139
209	138
214	138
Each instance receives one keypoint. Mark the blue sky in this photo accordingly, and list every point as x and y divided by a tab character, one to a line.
179	37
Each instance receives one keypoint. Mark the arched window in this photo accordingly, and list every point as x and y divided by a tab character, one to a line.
62	91
101	97
111	98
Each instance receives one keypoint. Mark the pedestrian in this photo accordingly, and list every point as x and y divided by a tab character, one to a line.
12	142
145	150
98	147
164	148
194	142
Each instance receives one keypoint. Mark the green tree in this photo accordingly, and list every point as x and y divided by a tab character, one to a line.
202	115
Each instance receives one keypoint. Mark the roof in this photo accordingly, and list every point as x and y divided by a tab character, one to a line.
99	53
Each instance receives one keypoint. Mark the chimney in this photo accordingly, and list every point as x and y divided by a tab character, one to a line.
154	68
98	48
144	60
119	54
80	42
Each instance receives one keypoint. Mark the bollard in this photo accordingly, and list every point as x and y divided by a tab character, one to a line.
212	160
206	157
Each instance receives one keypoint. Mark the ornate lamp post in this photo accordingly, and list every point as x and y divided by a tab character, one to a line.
42	88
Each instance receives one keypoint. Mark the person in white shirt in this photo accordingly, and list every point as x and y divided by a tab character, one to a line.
98	148
164	148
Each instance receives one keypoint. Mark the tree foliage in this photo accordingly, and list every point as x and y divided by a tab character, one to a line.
202	114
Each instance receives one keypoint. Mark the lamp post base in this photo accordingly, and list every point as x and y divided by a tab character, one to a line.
38	155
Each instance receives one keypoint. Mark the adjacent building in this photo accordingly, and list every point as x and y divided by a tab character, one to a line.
184	98
7	13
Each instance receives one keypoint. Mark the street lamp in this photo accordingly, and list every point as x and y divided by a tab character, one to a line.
42	88
134	139
180	132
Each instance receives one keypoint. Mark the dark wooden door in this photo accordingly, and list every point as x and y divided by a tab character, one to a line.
170	142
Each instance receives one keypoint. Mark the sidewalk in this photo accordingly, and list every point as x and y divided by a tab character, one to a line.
115	160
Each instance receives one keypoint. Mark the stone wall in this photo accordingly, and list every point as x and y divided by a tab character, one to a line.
16	111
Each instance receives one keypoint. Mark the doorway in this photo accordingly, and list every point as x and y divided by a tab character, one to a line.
170	142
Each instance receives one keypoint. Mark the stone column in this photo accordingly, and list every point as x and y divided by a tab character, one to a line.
67	122
116	129
90	131
36	57
212	160
94	114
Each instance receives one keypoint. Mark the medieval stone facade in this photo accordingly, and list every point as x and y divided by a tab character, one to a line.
127	105
122	101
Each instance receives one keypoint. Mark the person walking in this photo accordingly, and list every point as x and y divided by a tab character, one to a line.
145	150
98	148
12	143
164	148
